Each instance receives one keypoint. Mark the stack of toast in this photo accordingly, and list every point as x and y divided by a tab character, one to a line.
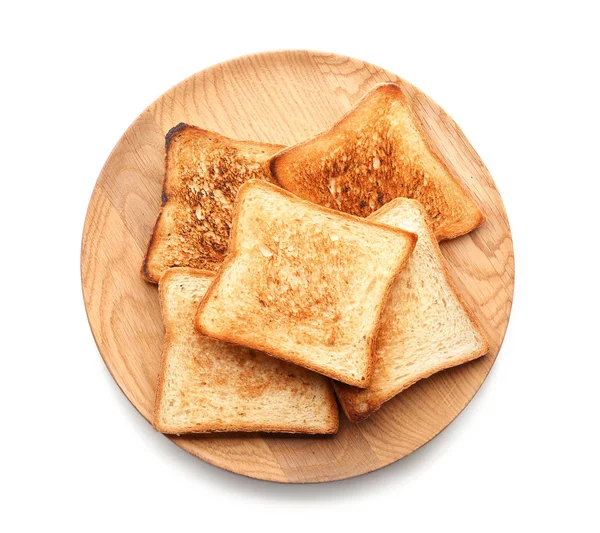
291	275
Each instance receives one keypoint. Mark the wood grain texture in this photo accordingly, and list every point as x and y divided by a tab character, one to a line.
281	97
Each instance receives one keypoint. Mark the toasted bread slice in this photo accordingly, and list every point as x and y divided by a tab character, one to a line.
203	172
375	153
208	385
304	283
426	327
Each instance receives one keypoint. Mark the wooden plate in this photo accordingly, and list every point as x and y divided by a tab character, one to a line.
281	97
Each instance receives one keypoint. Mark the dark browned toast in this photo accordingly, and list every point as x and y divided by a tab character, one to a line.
375	153
203	172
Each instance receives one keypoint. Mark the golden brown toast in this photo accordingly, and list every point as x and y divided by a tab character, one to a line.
203	172
426	326
208	385
304	283
375	153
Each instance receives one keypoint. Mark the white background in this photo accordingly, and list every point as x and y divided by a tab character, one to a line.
521	79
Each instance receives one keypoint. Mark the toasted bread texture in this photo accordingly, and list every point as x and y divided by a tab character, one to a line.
304	283
426	327
207	385
203	172
375	153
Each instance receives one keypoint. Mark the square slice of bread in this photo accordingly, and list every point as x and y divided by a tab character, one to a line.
426	327
203	172
304	283
377	152
207	385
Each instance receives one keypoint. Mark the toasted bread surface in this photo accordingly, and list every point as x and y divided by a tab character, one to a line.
426	327
203	172
206	385
377	152
304	283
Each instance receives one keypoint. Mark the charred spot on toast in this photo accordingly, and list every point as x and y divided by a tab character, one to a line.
175	129
146	274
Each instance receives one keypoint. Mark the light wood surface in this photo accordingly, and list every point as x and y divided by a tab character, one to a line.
281	97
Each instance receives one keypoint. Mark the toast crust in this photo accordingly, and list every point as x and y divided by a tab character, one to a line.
203	171
233	256
358	409
332	415
348	192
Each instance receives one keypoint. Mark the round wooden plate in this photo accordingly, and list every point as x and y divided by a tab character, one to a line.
281	97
